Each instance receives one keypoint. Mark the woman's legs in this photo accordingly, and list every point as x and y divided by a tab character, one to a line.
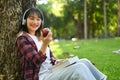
83	70
97	74
78	71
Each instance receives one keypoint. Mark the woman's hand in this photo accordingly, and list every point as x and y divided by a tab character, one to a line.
46	40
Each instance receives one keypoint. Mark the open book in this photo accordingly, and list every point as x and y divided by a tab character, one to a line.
65	63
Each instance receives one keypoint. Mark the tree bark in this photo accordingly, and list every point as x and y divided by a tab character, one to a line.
79	29
85	20
27	4
9	14
10	11
105	19
118	28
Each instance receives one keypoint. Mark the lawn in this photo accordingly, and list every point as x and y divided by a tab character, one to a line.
99	51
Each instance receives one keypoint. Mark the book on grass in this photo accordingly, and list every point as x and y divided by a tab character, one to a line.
65	63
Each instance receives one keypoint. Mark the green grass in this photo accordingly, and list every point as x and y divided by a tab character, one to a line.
99	51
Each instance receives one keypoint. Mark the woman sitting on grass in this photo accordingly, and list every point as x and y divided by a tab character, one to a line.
36	57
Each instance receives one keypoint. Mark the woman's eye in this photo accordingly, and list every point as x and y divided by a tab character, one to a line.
38	19
32	18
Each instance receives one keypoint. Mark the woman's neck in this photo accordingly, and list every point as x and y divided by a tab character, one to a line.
32	33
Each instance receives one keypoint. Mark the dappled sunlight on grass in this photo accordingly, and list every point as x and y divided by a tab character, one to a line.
117	38
99	51
56	49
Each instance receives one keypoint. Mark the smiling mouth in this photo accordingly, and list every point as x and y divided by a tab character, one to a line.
34	26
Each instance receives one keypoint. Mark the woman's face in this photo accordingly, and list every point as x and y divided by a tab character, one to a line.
33	23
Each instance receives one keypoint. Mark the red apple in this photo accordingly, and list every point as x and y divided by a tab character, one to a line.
45	31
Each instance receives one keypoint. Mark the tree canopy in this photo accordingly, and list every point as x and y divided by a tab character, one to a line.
66	18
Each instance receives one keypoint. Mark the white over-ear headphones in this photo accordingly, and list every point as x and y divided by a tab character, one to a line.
24	20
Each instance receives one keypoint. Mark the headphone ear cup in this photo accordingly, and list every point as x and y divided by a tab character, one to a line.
23	22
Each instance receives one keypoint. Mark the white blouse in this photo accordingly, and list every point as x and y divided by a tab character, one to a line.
47	63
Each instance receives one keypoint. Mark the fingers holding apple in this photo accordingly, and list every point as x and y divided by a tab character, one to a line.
45	31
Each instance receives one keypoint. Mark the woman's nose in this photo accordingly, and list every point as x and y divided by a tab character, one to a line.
35	21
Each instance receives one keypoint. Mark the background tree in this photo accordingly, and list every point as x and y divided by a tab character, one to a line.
105	19
73	12
118	28
85	20
68	19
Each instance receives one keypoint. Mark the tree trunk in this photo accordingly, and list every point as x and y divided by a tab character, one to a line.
85	20
80	32
105	19
27	4
79	29
9	12
118	28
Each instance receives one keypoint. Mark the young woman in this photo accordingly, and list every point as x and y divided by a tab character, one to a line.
36	57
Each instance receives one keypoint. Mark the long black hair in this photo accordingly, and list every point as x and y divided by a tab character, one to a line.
27	13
